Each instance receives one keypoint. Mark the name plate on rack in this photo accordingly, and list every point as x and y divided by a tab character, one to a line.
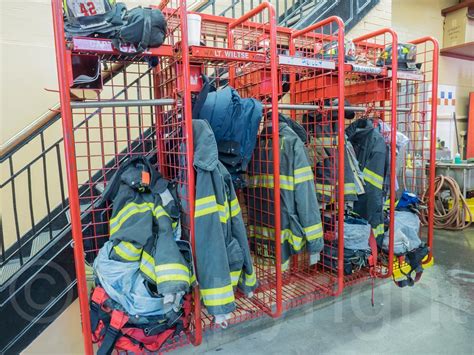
306	62
365	69
407	75
98	45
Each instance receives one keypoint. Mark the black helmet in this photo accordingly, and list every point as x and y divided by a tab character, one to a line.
406	56
330	51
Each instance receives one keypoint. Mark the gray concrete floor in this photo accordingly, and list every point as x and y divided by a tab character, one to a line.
435	316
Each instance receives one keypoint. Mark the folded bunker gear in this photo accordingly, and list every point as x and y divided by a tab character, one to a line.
371	151
141	226
223	257
300	214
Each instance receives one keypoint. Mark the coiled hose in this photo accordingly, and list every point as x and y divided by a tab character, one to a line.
453	218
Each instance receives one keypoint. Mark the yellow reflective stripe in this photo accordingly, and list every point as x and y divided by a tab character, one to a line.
126	212
147	265
216	291
350	189
285	265
206	205
303	174
160	212
204	200
296	241
286	182
234	207
373	178
379	230
218	296
314	232
172	277
269	234
172	266
324	189
192	278
223	213
250	280
125	253
234	277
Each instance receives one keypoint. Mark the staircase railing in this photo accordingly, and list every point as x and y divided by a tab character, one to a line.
33	197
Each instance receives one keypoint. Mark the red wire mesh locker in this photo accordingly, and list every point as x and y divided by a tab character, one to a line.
314	84
232	52
123	118
417	93
374	88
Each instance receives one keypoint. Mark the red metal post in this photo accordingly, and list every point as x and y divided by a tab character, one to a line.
275	132
190	157
341	134
434	117
71	171
393	136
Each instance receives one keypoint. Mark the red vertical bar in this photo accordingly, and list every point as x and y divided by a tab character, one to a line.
393	150
341	148
276	154
71	171
190	158
275	132
470	128
434	117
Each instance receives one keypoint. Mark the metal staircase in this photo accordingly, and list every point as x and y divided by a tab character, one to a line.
37	276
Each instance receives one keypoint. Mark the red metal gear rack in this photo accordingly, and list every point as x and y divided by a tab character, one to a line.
374	89
314	83
418	93
133	113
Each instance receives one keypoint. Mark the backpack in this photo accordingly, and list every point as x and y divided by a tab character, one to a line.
144	28
234	121
114	329
103	18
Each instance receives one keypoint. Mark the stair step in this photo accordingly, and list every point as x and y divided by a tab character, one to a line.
41	240
84	207
9	269
100	187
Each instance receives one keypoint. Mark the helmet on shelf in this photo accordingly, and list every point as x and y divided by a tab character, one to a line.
330	51
406	56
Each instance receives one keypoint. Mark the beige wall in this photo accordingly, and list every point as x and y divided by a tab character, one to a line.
28	63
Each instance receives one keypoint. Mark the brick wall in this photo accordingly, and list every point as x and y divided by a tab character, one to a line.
380	16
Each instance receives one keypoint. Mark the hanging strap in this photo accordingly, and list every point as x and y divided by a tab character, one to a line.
99	296
117	321
202	96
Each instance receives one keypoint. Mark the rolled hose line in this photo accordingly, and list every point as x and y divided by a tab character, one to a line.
450	219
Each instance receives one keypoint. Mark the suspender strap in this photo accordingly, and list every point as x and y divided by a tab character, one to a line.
99	296
117	321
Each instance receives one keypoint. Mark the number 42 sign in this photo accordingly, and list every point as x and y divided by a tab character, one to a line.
87	7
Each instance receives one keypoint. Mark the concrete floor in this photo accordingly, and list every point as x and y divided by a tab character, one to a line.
435	316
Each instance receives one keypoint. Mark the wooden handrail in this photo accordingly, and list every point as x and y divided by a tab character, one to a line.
46	118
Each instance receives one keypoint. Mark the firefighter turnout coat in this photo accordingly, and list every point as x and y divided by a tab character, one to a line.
144	214
300	215
223	258
369	146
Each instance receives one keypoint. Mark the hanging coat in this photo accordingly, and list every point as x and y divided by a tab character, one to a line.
144	214
323	152
223	258
300	215
371	151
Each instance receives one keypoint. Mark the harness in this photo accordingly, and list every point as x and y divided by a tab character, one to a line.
112	328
